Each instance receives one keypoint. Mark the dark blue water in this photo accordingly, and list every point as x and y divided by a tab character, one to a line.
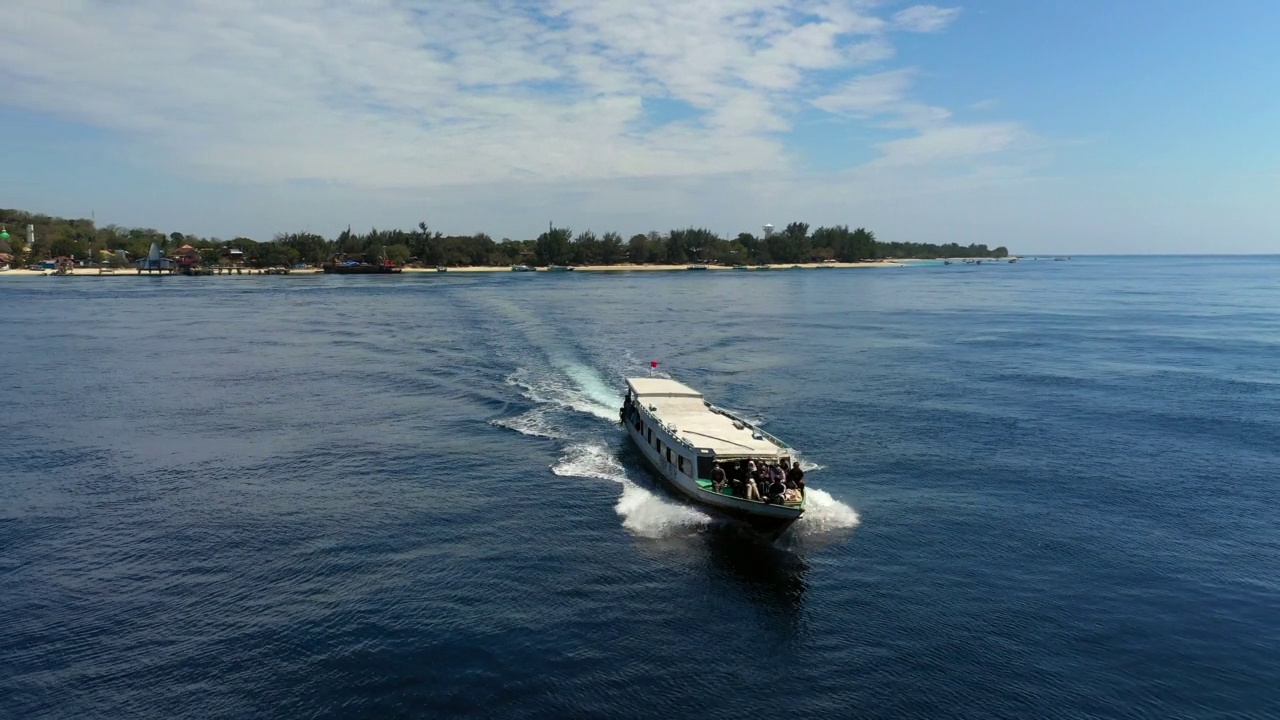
1042	490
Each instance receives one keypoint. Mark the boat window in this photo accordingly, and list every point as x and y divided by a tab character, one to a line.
650	431
668	454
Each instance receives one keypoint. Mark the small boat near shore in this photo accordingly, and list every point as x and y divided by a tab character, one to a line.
341	265
681	435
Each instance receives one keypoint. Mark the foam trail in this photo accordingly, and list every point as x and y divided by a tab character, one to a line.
535	423
568	391
642	512
823	513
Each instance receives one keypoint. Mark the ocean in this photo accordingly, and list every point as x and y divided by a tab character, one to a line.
1044	489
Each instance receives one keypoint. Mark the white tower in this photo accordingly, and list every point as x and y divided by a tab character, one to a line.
768	230
31	236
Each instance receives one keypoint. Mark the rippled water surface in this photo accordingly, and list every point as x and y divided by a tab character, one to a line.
1044	489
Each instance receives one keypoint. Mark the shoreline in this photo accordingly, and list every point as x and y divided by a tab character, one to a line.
255	272
627	268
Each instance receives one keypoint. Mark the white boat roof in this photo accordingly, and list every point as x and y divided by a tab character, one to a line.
676	404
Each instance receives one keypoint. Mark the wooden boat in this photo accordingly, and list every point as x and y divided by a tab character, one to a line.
681	435
339	265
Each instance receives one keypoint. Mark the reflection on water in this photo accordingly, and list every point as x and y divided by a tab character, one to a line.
764	573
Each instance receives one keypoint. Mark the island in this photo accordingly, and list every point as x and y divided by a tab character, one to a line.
51	245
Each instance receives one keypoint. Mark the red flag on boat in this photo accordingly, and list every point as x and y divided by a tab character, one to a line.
653	364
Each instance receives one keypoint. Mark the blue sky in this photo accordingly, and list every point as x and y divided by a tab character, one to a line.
1084	126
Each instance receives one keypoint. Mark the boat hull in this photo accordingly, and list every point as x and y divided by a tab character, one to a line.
767	520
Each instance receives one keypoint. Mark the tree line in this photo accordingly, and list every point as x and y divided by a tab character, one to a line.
795	243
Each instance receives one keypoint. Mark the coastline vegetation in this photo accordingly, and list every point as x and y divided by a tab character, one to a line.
83	240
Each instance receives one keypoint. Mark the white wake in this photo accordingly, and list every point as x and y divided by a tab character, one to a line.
642	512
565	388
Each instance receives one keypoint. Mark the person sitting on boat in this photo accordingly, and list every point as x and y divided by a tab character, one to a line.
752	487
717	477
626	407
795	477
776	491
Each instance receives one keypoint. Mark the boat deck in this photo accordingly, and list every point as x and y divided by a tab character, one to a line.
687	416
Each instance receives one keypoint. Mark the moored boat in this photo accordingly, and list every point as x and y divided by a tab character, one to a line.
341	265
682	436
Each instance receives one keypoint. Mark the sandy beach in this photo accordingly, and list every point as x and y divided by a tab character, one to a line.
130	272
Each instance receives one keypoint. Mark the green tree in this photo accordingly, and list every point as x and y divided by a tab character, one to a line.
553	247
399	253
586	248
611	249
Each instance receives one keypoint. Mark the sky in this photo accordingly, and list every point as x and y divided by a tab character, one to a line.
1053	126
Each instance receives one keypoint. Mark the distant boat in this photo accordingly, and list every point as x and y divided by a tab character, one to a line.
762	267
741	267
796	267
441	268
696	267
946	262
521	268
559	268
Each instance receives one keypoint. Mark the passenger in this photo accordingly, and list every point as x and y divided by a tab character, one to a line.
776	491
776	473
795	477
753	491
717	477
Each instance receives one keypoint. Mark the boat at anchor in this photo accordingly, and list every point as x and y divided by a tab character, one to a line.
682	436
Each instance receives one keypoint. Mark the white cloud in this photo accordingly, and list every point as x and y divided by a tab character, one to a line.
883	95
925	18
433	97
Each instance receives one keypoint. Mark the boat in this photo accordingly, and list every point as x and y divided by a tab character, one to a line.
441	268
696	267
521	268
946	262
741	267
763	267
680	435
340	265
559	268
